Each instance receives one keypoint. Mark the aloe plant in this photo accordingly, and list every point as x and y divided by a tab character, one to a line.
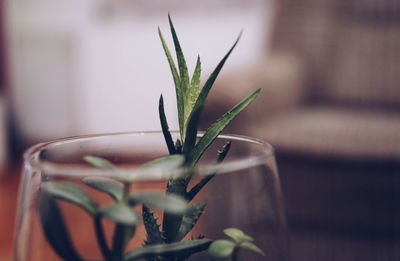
180	215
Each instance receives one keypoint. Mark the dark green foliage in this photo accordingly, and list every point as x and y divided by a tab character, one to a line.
154	234
55	229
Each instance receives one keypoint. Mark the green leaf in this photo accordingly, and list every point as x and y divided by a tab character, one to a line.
211	79
113	188
195	83
237	235
171	62
178	249
218	126
191	133
154	235
121	213
166	162
183	70
170	203
190	219
200	102
253	248
192	92
177	81
71	193
54	228
199	186
165	128
221	249
98	162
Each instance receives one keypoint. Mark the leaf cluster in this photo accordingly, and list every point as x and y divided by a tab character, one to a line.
121	211
222	249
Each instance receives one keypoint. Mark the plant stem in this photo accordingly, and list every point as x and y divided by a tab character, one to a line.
235	254
101	237
120	232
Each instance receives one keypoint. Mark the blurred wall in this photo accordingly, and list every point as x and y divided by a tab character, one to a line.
80	67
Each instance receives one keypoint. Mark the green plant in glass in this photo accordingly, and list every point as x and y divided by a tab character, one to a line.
164	242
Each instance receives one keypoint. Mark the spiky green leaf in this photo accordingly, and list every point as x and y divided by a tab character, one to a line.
171	62
192	92
201	99
190	219
183	70
218	126
199	186
177	81
191	133
165	127
154	235
195	82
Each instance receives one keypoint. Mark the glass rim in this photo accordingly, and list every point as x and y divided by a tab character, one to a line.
31	156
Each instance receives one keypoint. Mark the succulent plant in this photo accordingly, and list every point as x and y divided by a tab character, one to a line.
180	215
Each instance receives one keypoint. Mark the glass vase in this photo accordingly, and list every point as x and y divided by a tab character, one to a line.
244	193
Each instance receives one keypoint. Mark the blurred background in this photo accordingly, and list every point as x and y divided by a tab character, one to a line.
330	103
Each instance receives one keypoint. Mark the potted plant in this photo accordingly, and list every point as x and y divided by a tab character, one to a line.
122	197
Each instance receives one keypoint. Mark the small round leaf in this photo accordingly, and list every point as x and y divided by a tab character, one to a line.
237	235
221	249
107	185
99	162
121	213
253	248
170	203
70	192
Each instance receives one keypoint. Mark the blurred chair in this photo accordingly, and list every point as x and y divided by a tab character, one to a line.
330	105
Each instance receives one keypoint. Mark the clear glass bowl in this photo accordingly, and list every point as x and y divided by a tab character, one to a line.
245	193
